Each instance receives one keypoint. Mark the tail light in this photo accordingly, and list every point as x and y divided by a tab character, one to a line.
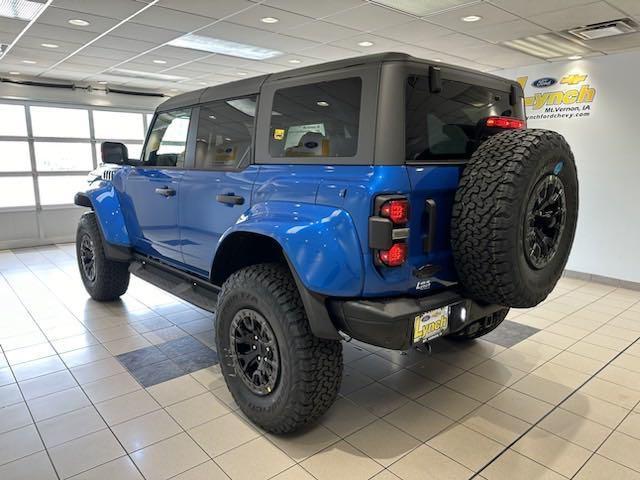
395	256
388	231
506	123
396	210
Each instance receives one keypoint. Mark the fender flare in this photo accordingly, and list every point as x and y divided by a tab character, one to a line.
104	202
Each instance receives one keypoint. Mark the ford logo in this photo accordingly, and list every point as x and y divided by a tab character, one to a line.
544	82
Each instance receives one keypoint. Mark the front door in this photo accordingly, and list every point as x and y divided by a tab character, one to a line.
217	190
152	188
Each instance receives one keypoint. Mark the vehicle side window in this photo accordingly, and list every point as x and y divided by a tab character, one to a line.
225	133
167	142
316	120
447	125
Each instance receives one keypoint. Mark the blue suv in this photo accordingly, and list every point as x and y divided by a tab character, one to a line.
383	198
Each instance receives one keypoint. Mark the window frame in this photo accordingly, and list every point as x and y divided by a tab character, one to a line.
189	148
368	75
249	160
33	172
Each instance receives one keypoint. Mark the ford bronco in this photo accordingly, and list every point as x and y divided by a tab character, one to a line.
384	198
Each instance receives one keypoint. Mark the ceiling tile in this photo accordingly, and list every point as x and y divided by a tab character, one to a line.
508	31
528	8
286	20
60	18
126	44
453	18
61	33
380	44
31	41
416	32
425	7
207	8
305	60
613	44
150	34
179	54
321	32
368	17
418	52
453	43
577	16
11	25
315	8
119	9
328	52
172	19
629	7
108	53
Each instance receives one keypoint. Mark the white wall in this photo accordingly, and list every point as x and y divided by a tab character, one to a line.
606	145
25	226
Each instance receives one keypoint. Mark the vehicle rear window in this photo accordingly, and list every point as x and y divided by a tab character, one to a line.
316	120
447	125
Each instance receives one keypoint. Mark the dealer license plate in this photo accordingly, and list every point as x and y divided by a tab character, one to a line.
429	325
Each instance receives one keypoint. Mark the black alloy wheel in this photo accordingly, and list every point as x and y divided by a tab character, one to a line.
254	350
88	258
545	221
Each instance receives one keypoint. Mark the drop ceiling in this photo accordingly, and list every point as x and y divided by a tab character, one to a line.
127	42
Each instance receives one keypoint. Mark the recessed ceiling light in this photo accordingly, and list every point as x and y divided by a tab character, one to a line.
49	45
212	117
14	73
295	61
78	22
322	103
224	47
102	82
29	62
366	43
160	62
202	83
575	57
471	18
20	9
242	74
269	20
437	59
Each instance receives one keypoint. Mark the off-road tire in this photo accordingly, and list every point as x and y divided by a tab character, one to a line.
481	327
489	211
310	367
111	278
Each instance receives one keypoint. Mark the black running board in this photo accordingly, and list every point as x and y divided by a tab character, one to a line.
183	285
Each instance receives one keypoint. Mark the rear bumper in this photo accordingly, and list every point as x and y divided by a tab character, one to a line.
388	322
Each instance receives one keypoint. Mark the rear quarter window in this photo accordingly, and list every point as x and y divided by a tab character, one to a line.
316	120
448	125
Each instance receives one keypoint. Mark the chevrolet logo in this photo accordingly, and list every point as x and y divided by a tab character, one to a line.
573	79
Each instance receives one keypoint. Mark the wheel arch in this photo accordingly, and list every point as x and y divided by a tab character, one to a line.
242	249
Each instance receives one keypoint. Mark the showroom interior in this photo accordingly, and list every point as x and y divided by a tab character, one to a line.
133	388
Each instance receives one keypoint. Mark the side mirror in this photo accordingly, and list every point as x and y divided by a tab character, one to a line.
114	152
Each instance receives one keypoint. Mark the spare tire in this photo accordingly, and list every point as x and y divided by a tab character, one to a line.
514	217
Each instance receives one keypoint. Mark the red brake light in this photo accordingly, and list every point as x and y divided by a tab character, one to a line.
395	256
396	210
506	122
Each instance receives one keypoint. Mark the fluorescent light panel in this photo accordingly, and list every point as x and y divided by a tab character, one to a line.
19	9
224	47
547	46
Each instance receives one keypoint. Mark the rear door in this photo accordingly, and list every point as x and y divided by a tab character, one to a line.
216	189
442	129
152	188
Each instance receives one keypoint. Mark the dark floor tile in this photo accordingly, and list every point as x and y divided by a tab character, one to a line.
151	324
196	360
180	346
509	333
155	373
141	357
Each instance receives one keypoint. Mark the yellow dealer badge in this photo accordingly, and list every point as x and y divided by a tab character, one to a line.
278	133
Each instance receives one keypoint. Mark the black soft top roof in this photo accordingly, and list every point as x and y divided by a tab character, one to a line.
252	85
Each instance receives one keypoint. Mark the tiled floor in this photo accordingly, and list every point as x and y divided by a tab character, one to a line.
130	390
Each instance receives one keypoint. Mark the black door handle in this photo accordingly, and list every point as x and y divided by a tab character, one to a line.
166	191
230	199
